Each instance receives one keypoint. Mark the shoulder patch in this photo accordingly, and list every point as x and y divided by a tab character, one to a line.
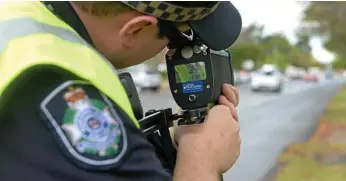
85	125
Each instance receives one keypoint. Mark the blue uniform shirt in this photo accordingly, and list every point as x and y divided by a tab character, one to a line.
29	150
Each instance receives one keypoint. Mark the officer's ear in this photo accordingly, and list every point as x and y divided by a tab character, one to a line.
135	28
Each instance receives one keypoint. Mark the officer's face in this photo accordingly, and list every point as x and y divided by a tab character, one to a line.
140	40
130	41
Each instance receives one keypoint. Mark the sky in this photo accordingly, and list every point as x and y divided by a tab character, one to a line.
279	16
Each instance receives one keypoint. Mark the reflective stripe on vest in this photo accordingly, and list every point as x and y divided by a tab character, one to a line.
26	42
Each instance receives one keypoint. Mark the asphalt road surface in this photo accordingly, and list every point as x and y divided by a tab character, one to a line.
269	122
248	99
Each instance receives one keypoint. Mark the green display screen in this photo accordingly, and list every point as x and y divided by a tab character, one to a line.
190	72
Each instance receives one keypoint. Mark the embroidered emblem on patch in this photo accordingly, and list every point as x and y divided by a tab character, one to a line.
85	124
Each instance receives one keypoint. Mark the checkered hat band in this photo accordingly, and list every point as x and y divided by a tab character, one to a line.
170	12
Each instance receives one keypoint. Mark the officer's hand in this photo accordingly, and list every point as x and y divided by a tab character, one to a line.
215	144
230	98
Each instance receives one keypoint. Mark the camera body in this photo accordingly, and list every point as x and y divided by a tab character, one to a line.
196	75
197	81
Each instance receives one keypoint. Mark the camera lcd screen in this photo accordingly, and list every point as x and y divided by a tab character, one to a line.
190	72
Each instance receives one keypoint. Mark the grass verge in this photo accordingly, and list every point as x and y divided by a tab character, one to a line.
323	157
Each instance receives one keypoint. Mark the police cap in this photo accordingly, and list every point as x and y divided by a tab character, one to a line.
217	23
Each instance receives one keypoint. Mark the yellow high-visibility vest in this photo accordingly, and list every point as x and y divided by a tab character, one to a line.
32	36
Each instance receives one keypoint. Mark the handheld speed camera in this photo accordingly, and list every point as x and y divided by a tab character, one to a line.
196	74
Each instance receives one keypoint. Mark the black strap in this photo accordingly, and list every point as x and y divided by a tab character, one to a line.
174	36
65	12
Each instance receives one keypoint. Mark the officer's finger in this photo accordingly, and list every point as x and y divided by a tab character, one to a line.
224	101
227	91
236	93
178	110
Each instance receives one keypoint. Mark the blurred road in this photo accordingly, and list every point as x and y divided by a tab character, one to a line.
269	122
248	99
269	127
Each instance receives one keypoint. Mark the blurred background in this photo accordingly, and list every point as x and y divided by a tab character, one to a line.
290	69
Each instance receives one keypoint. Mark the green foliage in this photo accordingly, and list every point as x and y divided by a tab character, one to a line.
327	19
304	36
246	51
164	74
253	33
339	63
273	49
276	43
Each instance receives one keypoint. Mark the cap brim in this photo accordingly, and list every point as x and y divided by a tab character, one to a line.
220	29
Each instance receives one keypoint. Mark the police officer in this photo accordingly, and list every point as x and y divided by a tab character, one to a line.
64	115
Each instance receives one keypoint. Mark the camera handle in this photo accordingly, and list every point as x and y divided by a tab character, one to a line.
155	125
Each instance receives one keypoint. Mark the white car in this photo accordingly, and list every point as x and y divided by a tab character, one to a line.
144	77
244	76
236	75
268	80
295	73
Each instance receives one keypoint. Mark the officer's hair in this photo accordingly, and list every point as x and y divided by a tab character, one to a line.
102	8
